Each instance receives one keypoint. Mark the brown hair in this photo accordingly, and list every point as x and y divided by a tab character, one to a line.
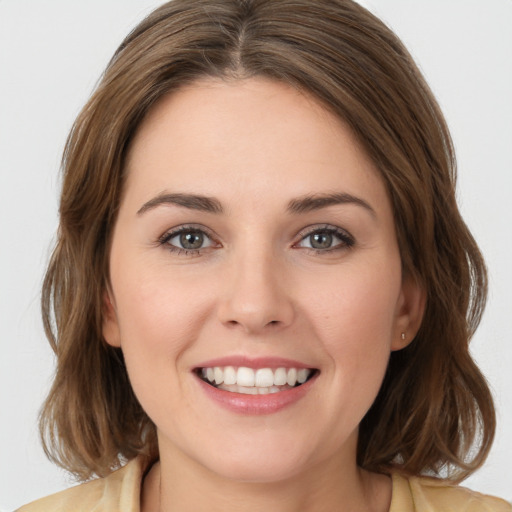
434	413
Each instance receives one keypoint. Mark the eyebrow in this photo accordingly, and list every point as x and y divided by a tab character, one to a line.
309	203
191	201
299	205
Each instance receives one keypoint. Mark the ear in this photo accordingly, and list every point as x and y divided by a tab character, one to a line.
409	314
110	327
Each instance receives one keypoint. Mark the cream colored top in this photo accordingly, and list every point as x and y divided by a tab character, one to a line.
120	492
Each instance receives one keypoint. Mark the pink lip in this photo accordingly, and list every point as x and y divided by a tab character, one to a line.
255	363
256	404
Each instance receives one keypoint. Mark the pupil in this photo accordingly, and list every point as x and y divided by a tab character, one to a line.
321	240
191	240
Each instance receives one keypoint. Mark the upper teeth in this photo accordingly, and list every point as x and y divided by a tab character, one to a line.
262	377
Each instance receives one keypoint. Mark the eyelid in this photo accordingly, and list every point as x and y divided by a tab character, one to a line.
347	239
183	228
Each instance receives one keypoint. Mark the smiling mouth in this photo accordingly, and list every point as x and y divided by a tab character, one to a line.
249	381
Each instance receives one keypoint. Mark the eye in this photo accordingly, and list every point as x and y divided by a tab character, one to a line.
326	239
187	239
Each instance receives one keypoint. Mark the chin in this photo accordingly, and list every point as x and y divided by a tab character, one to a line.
259	461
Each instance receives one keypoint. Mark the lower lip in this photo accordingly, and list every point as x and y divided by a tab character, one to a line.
256	404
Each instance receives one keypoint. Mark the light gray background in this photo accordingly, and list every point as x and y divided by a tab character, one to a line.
51	54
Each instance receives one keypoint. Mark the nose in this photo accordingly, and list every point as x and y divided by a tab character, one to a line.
255	296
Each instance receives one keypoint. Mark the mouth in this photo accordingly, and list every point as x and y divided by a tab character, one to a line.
248	381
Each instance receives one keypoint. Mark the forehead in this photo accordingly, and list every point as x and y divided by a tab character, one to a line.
246	135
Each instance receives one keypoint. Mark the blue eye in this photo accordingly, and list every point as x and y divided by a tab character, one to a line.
187	239
326	239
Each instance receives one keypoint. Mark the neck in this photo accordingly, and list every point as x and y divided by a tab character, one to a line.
176	484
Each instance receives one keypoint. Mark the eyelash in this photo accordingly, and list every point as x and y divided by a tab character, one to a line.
166	237
347	241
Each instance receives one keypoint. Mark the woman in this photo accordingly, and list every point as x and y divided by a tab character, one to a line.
263	290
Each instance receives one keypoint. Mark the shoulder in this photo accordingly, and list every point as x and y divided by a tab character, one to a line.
119	491
414	494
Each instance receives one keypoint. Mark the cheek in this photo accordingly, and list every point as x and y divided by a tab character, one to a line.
355	319
359	340
156	307
358	304
159	318
158	323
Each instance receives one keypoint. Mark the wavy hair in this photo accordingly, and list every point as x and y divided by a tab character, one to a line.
434	413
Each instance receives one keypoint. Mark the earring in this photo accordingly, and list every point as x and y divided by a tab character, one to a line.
403	336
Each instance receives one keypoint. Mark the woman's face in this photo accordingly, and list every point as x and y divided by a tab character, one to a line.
255	233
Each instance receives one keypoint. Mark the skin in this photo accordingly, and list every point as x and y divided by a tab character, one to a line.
257	289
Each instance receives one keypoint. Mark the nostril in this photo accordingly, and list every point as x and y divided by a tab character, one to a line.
234	323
